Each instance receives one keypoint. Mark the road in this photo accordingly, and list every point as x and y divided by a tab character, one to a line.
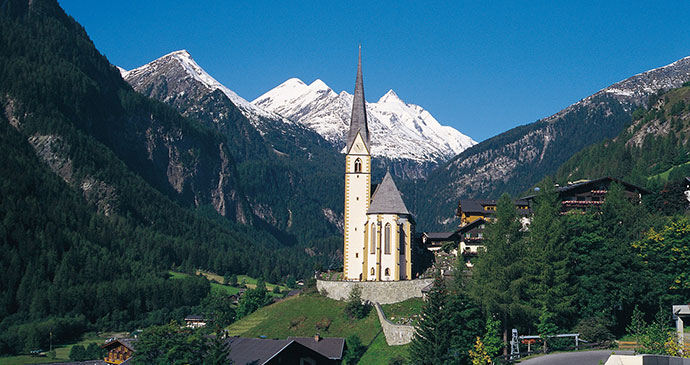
575	358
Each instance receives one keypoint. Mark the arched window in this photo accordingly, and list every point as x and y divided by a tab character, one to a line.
388	272
387	241
401	235
373	238
372	271
358	165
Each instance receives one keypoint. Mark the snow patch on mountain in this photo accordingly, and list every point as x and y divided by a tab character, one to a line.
398	130
185	60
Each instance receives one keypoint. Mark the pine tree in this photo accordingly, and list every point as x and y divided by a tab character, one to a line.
498	277
431	342
551	284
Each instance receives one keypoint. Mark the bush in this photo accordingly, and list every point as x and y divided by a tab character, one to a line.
355	309
355	350
594	329
324	324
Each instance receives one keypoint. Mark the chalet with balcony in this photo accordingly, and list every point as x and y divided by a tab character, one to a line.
592	193
119	350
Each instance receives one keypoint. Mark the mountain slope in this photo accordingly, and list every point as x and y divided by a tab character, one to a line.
398	130
517	159
104	190
655	141
287	171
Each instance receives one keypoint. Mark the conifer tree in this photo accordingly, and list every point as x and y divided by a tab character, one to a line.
498	277
431	342
550	279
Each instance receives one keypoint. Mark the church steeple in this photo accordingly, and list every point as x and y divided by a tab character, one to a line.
358	121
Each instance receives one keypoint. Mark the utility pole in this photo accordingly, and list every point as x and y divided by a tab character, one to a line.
51	341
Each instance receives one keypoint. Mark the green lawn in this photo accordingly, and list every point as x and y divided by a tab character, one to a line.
218	287
301	315
61	351
664	175
405	312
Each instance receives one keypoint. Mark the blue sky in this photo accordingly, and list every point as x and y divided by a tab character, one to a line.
482	67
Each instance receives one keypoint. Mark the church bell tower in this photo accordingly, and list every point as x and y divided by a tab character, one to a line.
357	183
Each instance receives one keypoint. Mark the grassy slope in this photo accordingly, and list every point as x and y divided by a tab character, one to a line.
298	316
664	175
218	287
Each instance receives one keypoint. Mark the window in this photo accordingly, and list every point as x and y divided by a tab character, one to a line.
373	238
401	236
372	271
387	246
480	235
358	165
388	272
356	255
468	234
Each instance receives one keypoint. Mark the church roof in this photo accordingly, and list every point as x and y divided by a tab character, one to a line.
387	198
358	121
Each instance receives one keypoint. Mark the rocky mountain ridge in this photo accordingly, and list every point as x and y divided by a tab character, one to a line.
517	159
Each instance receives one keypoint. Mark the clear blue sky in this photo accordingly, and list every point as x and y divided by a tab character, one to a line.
481	66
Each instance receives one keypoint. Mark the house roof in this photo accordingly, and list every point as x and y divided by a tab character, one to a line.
194	318
387	198
477	205
244	350
358	121
470	226
126	342
568	188
434	236
332	347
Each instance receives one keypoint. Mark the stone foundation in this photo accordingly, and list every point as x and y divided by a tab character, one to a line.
384	292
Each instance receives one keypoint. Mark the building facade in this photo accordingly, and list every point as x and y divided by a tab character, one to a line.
378	228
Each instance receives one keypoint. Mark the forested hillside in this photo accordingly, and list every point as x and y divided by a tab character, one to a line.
90	221
652	151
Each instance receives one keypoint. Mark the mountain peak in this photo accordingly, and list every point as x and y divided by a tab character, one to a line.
390	96
319	85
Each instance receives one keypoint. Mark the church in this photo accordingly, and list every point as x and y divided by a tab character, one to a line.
378	227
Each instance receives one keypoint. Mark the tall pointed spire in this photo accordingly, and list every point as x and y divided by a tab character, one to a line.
358	122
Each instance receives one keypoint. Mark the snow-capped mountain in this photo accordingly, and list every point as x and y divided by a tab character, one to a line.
172	62
398	130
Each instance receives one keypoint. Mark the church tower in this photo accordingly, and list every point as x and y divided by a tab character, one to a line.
357	183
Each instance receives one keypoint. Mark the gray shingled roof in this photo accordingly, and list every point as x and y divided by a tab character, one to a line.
331	347
358	122
387	198
245	350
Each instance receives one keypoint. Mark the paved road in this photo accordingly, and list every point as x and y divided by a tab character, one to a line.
574	358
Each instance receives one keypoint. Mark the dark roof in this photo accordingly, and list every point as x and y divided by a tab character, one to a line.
245	350
194	318
332	347
358	121
565	189
126	342
438	235
427	288
470	226
387	198
688	179
88	362
477	205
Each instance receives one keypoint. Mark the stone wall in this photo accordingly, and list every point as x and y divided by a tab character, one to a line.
384	292
396	334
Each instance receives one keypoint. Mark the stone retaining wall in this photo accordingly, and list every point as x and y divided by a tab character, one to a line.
384	292
396	334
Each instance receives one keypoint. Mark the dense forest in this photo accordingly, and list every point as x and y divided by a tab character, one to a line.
603	272
87	237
